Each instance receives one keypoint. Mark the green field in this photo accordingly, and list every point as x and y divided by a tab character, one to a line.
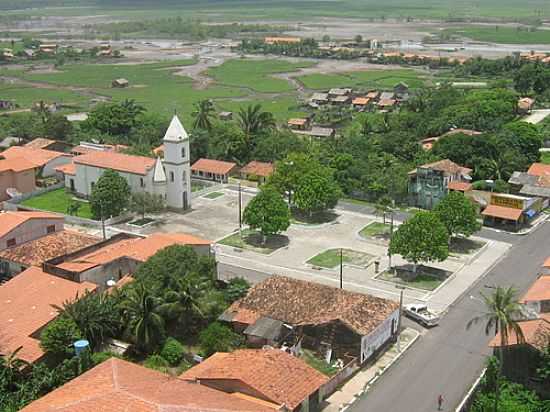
57	201
499	34
382	79
329	259
375	229
256	74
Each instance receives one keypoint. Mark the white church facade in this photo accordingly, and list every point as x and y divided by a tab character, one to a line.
169	177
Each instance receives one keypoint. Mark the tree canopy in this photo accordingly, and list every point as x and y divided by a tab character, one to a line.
458	214
268	212
110	195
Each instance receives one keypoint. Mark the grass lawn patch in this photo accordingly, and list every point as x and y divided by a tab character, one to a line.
377	230
502	34
197	185
315	219
318	364
545	158
462	246
57	201
329	259
427	278
213	195
252	240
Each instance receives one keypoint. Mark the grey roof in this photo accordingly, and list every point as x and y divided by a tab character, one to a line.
321	131
266	328
9	141
339	92
319	96
386	95
522	178
539	191
341	99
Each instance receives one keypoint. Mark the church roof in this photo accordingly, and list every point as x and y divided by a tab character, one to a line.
176	132
159	175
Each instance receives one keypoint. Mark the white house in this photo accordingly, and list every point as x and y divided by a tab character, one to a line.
169	178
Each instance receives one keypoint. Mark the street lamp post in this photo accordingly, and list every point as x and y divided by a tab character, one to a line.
391	234
240	210
400	318
102	220
341	267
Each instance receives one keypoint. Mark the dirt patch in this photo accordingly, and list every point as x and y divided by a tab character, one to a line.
197	71
45	70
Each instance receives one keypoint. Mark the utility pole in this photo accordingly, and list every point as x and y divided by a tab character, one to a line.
240	210
341	267
102	220
399	319
391	235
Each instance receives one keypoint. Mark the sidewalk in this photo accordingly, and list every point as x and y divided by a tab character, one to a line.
363	379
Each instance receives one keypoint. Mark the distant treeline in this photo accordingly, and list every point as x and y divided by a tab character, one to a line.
193	29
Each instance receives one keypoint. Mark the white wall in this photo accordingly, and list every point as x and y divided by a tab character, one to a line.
379	336
177	163
48	169
30	230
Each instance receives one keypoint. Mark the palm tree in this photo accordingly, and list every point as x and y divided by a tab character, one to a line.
11	367
503	312
140	310
202	114
132	107
181	302
253	120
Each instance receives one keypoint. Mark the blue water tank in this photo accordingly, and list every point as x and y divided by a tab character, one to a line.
81	346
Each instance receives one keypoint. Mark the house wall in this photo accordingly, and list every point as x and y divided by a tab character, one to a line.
178	174
30	230
112	270
427	188
210	176
48	169
24	182
378	337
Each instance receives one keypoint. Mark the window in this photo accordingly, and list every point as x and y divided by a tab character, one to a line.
11	242
72	184
50	229
171	176
141	182
184	176
183	152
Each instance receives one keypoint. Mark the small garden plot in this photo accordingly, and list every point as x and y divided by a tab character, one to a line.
213	195
376	230
330	259
58	201
252	240
426	278
464	246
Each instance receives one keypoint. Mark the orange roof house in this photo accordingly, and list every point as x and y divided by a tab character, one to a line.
502	212
16	173
40	143
117	385
20	227
139	165
539	169
255	168
536	333
282	40
26	306
67	169
459	186
539	291
39	157
360	101
271	374
216	170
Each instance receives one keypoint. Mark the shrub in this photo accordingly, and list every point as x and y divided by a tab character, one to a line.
236	289
172	351
157	363
100	357
59	336
218	338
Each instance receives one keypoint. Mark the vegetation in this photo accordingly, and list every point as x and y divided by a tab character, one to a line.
502	34
110	195
218	338
145	202
267	212
254	240
331	258
59	201
172	351
375	229
59	336
458	214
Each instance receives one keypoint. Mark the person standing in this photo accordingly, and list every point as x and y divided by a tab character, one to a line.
440	402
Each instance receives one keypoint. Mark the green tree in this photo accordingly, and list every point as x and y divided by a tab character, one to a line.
383	206
458	214
140	311
145	202
422	238
317	191
204	110
236	289
172	351
253	120
218	338
180	302
58	127
110	195
59	336
267	212
115	119
502	313
290	171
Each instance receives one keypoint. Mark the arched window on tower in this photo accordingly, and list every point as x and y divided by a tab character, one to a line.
183	152
171	176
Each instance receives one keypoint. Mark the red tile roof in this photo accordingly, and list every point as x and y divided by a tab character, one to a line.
297	122
67	169
446	166
540	290
213	166
38	251
120	386
39	143
120	162
501	212
539	169
26	306
361	101
139	249
546	263
256	168
280	377
15	164
10	220
39	157
298	302
460	186
536	333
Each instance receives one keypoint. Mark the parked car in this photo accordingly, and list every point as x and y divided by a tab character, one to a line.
421	314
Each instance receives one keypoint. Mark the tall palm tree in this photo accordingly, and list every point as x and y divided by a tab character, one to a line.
132	107
140	310
502	314
203	113
253	120
181	302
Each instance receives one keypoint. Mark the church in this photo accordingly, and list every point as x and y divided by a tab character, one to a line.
169	177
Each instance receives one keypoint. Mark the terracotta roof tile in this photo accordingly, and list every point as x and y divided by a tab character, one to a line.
263	169
26	306
11	220
120	162
539	169
15	164
460	186
540	290
39	143
67	169
297	122
38	251
139	249
362	101
536	333
447	166
39	157
307	303
120	386
277	375
213	166
502	212
546	263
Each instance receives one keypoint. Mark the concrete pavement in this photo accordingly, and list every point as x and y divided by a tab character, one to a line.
448	359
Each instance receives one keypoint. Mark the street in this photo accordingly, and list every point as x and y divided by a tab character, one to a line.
449	358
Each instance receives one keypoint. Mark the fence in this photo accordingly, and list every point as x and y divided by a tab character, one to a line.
330	387
21	198
466	403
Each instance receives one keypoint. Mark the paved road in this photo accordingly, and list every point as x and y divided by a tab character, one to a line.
448	359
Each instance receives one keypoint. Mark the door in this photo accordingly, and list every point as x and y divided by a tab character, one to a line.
185	202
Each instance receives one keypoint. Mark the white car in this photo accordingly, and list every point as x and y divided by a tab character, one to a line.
421	314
